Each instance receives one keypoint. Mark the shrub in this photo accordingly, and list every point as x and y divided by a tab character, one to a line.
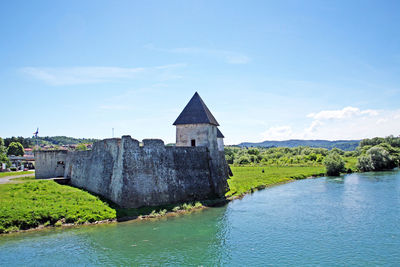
376	158
175	209
81	147
15	149
243	160
334	164
198	205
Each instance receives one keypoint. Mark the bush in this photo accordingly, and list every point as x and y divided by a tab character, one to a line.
15	149
376	158
243	160
334	164
81	147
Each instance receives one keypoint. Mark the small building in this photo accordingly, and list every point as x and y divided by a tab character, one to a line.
50	163
196	126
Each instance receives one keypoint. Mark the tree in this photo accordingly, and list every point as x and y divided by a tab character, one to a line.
3	156
16	149
377	158
334	164
81	147
2	147
242	160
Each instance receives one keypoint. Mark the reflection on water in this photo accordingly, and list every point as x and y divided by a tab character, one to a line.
342	221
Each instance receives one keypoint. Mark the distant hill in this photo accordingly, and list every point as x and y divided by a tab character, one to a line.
346	145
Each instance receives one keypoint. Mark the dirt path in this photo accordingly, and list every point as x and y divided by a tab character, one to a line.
8	179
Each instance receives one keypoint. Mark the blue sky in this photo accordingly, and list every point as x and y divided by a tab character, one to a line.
266	69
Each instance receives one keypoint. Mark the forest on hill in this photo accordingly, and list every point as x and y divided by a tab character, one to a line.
48	140
345	145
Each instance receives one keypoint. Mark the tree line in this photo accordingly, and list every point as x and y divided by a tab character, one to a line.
373	154
27	142
283	156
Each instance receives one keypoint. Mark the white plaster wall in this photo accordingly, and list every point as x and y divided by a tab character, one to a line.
204	134
46	165
220	142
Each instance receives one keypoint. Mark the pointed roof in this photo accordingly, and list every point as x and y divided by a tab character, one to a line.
195	112
219	134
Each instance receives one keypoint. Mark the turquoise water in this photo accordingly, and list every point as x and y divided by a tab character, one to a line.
348	221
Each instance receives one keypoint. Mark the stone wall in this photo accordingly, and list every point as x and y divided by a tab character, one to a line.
50	163
134	176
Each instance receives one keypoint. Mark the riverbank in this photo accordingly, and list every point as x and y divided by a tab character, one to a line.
40	204
35	205
247	179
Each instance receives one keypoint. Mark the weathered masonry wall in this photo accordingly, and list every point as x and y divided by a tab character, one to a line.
135	176
50	163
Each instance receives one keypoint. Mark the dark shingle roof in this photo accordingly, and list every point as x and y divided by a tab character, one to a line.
219	134
196	112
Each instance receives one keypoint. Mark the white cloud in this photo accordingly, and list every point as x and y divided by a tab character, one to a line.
362	125
228	56
89	75
345	113
278	133
346	123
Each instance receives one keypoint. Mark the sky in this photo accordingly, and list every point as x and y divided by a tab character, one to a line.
267	70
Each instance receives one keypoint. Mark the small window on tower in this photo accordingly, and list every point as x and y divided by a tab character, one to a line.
193	142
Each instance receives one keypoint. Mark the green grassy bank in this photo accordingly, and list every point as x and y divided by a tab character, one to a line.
6	174
30	204
245	179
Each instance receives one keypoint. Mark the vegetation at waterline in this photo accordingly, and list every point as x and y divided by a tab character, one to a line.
334	164
154	212
371	155
247	179
30	204
285	156
346	145
378	154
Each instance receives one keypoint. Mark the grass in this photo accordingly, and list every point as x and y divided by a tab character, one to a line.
30	178
31	203
247	179
5	174
28	205
153	212
351	163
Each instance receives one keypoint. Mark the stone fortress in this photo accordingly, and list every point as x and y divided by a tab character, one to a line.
134	175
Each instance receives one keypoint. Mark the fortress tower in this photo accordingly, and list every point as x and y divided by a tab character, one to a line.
196	126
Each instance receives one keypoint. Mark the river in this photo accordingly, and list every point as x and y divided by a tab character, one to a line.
352	220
